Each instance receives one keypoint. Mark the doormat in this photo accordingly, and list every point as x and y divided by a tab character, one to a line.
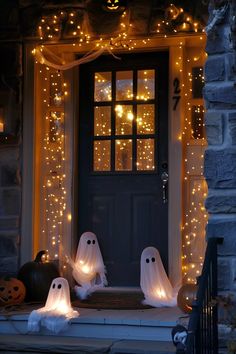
113	300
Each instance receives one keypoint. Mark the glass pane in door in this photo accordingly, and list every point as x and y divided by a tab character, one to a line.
123	155
145	154
124	119
146	85
124	85
145	119
102	87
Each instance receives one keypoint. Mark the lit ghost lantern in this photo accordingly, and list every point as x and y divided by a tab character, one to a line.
154	282
88	268
57	311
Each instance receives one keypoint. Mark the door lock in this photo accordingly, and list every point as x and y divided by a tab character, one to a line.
164	178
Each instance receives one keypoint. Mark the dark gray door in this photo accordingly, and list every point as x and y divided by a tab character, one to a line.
123	140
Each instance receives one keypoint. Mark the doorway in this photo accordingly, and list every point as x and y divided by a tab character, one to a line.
123	159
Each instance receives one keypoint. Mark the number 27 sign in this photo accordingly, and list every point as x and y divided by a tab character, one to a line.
177	91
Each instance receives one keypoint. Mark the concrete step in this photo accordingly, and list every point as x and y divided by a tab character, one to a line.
34	344
153	324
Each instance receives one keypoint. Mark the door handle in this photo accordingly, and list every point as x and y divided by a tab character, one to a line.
164	178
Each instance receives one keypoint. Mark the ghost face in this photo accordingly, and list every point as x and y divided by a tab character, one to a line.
154	281
59	296
88	257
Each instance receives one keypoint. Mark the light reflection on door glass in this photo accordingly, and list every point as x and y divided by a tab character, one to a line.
102	155
124	119
102	120
145	154
146	85
102	86
123	155
124	85
145	119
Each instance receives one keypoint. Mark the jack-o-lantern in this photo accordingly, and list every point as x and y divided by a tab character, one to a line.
186	295
114	5
12	291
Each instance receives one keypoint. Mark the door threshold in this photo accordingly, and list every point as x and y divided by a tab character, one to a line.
126	289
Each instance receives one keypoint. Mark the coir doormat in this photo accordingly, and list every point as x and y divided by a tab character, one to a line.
113	300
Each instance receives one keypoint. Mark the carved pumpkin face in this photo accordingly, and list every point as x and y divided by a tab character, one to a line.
12	291
114	5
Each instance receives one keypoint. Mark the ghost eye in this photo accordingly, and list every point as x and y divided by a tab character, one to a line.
93	242
147	260
88	242
153	259
54	286
59	286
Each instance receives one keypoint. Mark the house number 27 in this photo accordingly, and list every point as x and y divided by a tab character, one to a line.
177	91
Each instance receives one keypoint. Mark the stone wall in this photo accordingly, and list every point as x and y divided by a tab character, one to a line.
220	156
10	161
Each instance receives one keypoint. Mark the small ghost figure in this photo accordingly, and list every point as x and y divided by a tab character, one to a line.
88	269
154	282
57	312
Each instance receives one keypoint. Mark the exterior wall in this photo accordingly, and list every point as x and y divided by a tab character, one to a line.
10	158
220	157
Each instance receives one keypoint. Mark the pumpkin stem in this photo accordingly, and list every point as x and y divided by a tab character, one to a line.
39	255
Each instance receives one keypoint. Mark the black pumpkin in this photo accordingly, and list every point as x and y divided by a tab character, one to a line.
37	277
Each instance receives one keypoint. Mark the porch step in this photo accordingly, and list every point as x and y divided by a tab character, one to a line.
153	324
34	344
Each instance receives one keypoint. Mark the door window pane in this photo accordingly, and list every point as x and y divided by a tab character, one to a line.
145	154
102	155
145	119
102	120
123	155
124	85
102	86
146	85
124	119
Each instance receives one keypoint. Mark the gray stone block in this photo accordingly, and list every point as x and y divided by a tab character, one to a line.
230	66
221	203
9	176
9	223
10	201
220	95
223	228
8	266
8	245
220	168
214	128
219	40
224	277
232	127
215	68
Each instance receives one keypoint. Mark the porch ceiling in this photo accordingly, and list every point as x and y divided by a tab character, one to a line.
20	18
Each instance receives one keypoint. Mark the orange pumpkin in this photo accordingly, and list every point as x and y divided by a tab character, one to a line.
12	291
186	295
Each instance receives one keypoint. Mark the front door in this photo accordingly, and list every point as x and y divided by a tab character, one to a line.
123	141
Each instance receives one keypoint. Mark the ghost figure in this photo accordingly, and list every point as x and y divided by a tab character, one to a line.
154	282
88	268
57	311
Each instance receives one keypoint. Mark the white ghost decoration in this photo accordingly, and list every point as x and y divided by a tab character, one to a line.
154	282
57	311
88	268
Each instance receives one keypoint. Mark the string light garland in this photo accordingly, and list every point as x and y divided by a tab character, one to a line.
55	92
53	175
